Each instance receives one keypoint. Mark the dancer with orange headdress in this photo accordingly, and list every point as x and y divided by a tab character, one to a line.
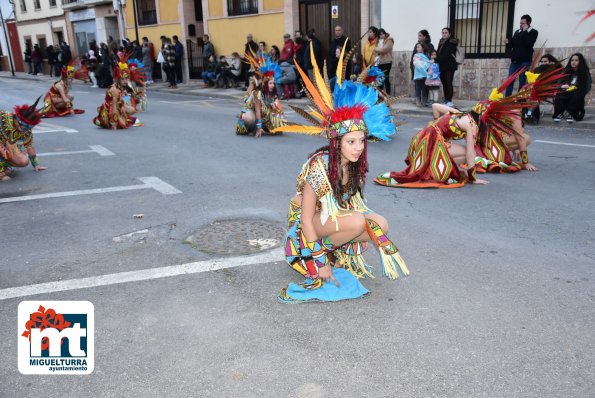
116	111
262	111
58	100
329	223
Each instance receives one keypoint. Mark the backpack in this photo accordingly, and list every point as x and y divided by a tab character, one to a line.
459	55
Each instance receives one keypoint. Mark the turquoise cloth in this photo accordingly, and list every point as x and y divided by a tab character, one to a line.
350	288
421	64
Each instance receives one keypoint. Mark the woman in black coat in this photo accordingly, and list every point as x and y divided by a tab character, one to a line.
445	57
575	86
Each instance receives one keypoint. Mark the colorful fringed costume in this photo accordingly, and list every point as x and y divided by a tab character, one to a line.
261	99
136	89
429	163
58	100
16	138
116	112
351	108
493	154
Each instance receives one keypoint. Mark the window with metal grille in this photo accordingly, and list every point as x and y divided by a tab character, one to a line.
481	26
242	7
52	3
146	12
23	6
37	4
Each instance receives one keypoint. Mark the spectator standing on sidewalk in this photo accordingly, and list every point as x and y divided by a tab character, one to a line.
28	61
288	49
208	50
334	52
314	43
384	52
169	54
36	58
66	54
520	48
179	48
368	51
445	57
250	48
51	58
147	60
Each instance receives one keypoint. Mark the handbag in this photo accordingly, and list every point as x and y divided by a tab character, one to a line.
160	58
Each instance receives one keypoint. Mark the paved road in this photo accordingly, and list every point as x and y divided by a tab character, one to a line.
499	303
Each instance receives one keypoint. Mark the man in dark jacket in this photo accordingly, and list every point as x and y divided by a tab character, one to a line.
179	48
520	48
249	48
334	52
313	42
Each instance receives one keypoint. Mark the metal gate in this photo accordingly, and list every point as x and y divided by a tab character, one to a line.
195	59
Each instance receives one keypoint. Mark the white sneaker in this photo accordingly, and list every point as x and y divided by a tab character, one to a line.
449	103
94	86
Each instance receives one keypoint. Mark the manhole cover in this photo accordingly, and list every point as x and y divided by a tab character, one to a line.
241	236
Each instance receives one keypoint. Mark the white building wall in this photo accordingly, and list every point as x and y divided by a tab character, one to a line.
45	10
402	19
554	19
40	28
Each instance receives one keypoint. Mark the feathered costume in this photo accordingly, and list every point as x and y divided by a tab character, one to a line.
351	107
430	165
53	102
112	113
493	155
136	87
271	111
16	136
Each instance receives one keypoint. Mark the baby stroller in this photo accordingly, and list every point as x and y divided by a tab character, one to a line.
288	81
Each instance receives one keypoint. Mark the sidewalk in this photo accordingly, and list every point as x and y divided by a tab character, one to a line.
405	105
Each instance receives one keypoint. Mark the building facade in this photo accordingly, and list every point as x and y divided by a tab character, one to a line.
39	22
90	20
481	26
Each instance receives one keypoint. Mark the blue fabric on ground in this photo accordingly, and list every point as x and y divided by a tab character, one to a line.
350	288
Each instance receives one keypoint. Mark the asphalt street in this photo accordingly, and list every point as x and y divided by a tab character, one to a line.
500	302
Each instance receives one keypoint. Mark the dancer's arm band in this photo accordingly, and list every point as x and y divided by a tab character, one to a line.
34	160
259	123
472	174
524	157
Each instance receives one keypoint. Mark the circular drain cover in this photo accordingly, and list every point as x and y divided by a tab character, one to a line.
236	237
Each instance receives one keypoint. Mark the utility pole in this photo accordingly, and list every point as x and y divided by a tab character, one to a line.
7	42
135	19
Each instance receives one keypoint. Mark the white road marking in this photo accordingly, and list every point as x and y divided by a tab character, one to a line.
102	151
45	127
141	275
159	185
564	143
148	183
190	101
